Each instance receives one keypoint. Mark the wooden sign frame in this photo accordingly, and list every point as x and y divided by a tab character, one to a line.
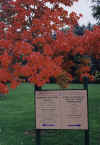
75	126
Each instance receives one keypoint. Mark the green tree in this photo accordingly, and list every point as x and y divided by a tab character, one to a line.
79	30
96	10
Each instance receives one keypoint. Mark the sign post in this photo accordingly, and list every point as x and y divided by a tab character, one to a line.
37	130
87	131
62	109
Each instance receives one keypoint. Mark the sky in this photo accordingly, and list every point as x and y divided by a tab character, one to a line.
83	6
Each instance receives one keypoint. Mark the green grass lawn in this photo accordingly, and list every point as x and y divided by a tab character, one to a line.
17	120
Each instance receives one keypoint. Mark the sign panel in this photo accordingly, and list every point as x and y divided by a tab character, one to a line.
61	109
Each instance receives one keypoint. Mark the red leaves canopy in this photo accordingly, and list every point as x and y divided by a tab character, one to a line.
27	46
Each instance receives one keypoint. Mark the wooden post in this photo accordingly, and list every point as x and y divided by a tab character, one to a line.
86	131
37	130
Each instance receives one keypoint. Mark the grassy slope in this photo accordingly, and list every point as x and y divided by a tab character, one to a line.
17	116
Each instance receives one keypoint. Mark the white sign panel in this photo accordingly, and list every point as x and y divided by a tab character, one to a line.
61	109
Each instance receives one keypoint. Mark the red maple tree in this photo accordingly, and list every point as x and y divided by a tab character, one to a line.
28	49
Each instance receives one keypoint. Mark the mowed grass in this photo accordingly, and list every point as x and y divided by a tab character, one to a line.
17	119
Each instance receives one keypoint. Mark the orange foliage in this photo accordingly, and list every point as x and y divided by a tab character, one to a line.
28	49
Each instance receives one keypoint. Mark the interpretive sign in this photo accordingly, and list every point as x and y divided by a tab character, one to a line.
61	109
